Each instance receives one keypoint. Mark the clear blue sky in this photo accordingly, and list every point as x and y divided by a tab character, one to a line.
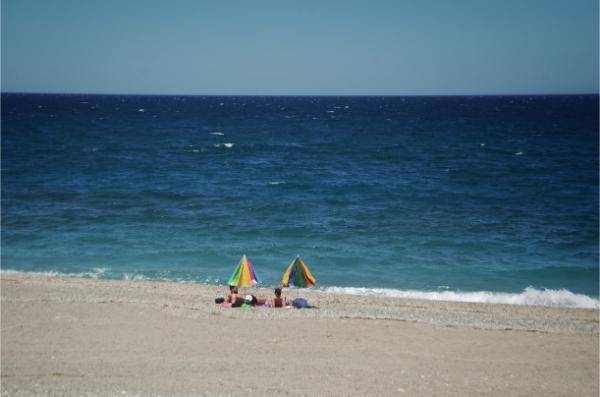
280	47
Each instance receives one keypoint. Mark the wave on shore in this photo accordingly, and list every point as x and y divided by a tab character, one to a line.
530	296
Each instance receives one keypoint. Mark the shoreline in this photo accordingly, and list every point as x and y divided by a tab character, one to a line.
530	296
68	336
492	316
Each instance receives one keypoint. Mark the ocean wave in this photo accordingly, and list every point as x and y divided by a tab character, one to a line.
105	273
96	273
135	277
530	296
225	145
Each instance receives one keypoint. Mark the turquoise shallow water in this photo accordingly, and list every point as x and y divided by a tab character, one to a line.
431	194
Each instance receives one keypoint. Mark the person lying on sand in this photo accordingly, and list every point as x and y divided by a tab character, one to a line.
233	299
276	301
254	301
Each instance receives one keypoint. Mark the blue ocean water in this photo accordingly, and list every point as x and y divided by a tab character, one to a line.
458	194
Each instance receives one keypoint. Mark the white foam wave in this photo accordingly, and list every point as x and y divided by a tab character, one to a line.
50	273
218	133
95	273
276	183
98	273
519	154
530	296
225	145
134	277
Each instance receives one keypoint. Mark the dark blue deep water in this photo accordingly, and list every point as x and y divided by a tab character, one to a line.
408	193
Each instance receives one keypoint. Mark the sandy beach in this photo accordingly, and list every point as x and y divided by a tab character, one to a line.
74	337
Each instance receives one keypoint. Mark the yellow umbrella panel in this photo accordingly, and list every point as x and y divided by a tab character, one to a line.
243	275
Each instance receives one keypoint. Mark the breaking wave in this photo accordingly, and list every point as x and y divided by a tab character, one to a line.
95	273
530	296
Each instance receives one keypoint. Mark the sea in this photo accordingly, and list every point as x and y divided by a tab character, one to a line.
465	198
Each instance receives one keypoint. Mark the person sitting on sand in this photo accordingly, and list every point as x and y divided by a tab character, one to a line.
278	301
233	294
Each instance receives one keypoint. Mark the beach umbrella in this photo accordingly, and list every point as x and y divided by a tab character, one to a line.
243	275
298	274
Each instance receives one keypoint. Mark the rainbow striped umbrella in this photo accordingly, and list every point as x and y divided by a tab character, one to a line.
298	274
243	275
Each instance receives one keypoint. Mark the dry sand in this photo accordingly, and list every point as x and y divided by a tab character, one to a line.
76	337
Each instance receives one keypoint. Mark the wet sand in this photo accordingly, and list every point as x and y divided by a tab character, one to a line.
73	337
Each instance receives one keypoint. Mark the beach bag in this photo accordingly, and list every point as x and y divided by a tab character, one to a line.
300	303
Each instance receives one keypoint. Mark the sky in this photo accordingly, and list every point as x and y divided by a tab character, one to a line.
420	47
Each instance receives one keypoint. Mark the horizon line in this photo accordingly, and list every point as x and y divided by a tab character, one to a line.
301	95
